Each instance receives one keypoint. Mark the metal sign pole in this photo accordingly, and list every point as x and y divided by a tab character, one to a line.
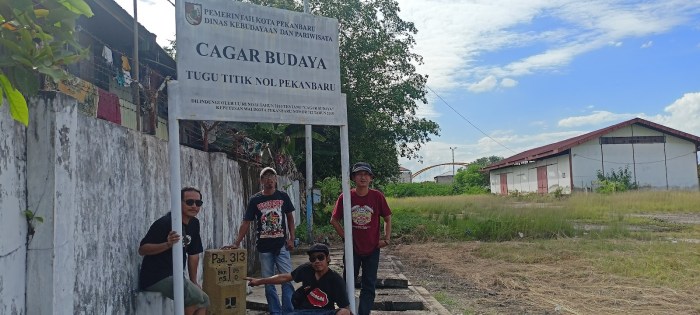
175	183
309	172
347	216
309	186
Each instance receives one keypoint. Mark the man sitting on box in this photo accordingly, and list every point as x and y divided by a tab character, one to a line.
156	273
321	288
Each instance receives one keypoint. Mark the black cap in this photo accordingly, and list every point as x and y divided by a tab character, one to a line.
361	166
318	248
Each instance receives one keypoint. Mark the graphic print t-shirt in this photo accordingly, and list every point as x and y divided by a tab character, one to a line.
269	213
323	293
365	213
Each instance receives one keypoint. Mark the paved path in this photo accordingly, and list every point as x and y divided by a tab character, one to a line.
395	293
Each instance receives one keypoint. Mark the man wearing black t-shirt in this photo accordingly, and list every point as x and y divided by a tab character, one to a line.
321	288
156	248
272	211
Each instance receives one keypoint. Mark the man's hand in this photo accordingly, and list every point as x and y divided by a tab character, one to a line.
290	244
253	281
383	243
173	238
232	246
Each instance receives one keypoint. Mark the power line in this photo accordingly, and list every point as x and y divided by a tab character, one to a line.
467	120
171	2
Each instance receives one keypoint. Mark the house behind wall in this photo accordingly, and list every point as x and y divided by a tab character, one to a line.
656	156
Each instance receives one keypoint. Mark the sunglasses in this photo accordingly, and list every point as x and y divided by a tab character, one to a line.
191	202
319	257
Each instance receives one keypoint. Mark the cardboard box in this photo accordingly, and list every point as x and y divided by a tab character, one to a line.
224	281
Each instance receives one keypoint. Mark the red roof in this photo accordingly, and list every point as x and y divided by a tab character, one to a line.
561	146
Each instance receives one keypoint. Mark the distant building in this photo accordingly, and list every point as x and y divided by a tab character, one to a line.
658	157
405	175
445	178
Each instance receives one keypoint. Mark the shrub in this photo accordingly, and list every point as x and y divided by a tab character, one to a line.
615	181
399	190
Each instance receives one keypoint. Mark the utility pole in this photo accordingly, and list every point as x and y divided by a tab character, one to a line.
453	162
136	97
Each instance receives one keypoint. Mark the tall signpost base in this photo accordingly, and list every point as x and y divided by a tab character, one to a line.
175	207
347	218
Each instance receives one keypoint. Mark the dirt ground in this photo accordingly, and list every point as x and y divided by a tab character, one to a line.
467	284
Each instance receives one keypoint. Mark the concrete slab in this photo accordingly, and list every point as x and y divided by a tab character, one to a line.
394	292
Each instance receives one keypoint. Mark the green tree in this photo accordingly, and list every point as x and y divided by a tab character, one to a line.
382	86
472	179
36	37
283	138
486	161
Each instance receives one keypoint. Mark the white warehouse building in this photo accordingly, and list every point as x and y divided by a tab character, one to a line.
658	157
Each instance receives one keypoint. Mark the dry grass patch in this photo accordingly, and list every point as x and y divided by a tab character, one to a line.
513	278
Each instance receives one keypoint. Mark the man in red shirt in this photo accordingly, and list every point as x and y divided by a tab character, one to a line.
367	206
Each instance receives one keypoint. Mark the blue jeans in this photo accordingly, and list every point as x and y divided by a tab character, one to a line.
313	312
283	262
369	265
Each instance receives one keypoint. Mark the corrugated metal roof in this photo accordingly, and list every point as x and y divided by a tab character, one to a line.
561	146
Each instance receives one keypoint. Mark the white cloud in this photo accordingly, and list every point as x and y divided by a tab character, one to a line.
539	123
683	114
596	118
487	84
508	82
648	44
453	44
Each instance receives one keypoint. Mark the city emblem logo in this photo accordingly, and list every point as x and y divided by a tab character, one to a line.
193	13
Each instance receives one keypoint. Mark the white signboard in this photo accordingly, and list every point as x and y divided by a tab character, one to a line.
242	62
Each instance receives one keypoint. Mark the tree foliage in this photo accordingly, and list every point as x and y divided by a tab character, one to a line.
472	179
382	87
36	37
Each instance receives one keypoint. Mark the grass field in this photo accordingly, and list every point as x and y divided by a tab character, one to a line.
629	240
634	252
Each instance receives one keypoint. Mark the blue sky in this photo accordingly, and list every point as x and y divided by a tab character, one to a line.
532	72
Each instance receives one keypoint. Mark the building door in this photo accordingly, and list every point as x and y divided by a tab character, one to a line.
542	186
504	184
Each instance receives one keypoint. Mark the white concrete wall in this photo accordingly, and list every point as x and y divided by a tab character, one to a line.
670	165
51	183
681	164
523	178
98	186
586	159
650	161
13	201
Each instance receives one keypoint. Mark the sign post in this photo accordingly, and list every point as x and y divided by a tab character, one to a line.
242	62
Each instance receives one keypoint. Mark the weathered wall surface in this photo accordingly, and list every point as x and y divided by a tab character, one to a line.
99	187
12	222
523	178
